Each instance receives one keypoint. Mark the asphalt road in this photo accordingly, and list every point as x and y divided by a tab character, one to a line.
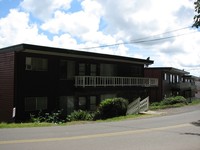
169	132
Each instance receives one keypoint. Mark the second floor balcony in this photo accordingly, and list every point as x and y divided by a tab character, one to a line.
184	86
108	81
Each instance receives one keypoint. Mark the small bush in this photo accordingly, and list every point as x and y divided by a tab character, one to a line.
169	102
53	117
80	115
112	108
174	100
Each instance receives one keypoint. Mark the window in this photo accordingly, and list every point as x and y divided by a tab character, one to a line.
66	104
63	69
35	103
67	70
177	78
165	76
82	103
136	71
171	78
70	70
36	64
93	103
107	70
93	69
81	70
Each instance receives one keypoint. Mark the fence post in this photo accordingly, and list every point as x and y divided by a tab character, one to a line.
138	106
148	103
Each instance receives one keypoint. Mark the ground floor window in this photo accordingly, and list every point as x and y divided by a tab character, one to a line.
88	103
35	103
66	104
93	103
82	103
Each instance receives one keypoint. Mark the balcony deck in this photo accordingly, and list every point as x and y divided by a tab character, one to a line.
108	81
184	86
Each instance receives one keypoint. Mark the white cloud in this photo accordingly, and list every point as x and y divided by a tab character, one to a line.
44	9
75	24
78	23
130	20
123	21
15	28
143	18
64	41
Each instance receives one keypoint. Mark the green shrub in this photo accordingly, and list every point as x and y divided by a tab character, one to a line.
169	102
174	100
53	117
112	108
80	115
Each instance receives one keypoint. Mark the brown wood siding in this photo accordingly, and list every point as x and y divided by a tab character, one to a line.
6	86
48	84
156	94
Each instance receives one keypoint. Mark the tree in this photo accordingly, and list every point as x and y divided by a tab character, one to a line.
197	16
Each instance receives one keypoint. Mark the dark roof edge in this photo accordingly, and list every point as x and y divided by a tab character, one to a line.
22	47
171	69
14	48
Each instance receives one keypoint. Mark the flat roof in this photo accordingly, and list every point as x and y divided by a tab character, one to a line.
169	69
72	53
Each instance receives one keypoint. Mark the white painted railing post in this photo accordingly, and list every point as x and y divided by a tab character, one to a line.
83	80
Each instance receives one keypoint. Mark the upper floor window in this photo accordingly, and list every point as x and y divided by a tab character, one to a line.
165	76
63	69
81	69
67	69
93	69
108	70
177	78
171	78
36	64
136	71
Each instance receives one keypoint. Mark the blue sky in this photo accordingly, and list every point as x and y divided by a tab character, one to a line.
6	5
87	25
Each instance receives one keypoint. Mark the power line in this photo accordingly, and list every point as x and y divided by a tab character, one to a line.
163	33
142	40
158	39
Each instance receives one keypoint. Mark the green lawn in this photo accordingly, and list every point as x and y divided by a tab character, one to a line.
28	125
24	125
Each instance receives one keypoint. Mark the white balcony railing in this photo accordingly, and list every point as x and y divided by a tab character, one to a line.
105	81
